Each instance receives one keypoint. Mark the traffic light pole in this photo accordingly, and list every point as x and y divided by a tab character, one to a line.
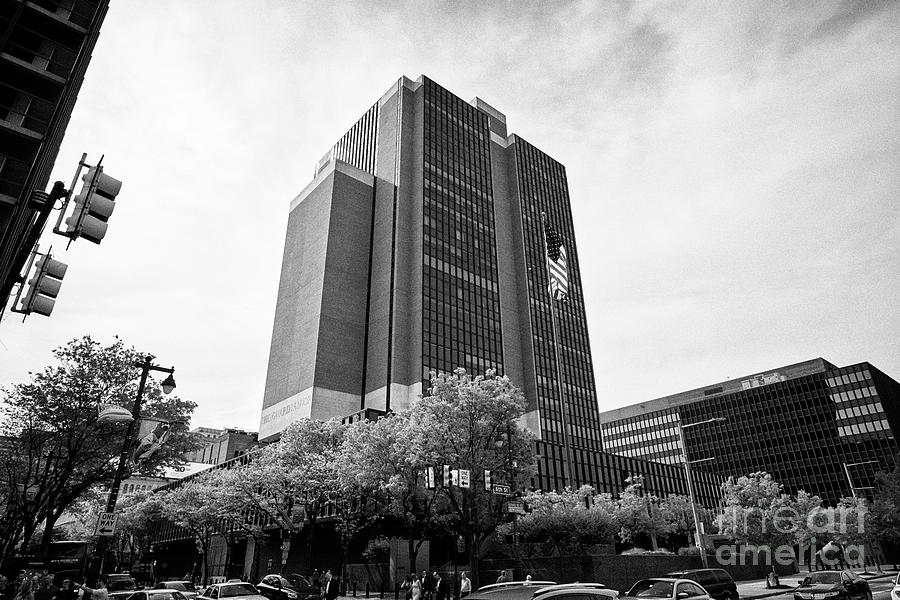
146	366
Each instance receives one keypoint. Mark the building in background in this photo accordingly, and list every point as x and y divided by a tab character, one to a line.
44	52
220	445
812	425
418	246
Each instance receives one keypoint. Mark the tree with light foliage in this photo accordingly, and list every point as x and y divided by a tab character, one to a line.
138	514
640	512
388	455
884	515
55	450
561	523
192	505
472	423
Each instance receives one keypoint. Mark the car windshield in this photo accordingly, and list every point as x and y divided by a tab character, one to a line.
297	580
181	586
118	585
237	589
651	588
824	577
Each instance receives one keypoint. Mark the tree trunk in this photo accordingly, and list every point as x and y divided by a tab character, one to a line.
654	543
48	533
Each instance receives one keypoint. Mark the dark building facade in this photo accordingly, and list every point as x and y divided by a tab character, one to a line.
44	52
417	247
812	425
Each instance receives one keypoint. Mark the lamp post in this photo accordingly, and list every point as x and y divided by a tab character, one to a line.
850	481
146	365
687	473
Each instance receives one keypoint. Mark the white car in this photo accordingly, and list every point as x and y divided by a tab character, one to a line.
667	588
240	590
895	593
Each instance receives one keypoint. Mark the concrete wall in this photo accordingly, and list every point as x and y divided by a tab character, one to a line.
317	351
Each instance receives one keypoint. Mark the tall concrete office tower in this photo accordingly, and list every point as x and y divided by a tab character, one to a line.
418	246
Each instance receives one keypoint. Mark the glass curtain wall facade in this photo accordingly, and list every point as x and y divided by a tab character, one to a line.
543	188
435	210
823	429
460	290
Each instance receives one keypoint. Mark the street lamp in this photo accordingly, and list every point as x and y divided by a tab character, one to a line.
687	473
850	481
146	365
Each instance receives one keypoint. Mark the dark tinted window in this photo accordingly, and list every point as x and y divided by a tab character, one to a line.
236	589
652	588
722	576
692	589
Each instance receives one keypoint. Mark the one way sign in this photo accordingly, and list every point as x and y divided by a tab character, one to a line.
106	524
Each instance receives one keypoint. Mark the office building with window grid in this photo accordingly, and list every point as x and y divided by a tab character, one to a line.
45	48
812	425
417	247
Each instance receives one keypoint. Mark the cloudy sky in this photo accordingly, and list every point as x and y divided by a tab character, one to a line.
734	169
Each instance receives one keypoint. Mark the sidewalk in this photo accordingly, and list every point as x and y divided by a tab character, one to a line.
756	589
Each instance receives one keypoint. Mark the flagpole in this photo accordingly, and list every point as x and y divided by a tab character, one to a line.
568	465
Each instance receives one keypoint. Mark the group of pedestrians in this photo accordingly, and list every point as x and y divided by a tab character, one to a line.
433	587
41	586
329	589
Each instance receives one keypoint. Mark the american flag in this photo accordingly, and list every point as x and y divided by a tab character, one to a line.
557	263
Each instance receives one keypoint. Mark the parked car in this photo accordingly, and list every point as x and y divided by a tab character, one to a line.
717	582
120	585
157	594
186	588
241	590
833	585
575	591
509	590
290	586
668	588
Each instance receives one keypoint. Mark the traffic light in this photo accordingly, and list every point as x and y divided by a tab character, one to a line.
488	482
447	479
93	206
43	287
429	478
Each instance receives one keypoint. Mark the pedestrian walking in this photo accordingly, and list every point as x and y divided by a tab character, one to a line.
331	590
416	588
25	591
427	586
440	586
465	585
98	593
46	590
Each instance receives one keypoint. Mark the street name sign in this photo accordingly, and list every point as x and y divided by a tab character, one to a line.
106	524
501	489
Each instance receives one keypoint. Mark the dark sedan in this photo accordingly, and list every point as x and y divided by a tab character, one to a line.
833	585
288	586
